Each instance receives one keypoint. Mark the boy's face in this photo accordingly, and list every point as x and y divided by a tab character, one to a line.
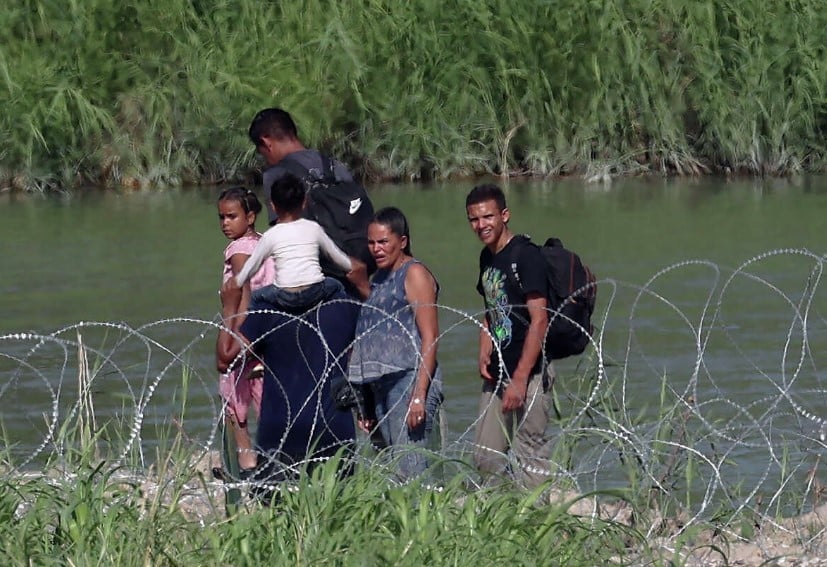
488	222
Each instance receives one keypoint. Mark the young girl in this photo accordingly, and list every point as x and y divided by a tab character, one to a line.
241	386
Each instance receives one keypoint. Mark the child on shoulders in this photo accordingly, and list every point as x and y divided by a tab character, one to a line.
295	244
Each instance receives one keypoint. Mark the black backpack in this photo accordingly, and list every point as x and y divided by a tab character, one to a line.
572	293
342	208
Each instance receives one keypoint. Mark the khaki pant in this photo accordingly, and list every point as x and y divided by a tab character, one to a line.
523	431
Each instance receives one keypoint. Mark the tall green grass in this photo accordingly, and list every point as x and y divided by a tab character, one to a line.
149	93
98	517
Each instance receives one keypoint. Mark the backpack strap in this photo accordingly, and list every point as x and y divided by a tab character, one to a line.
292	165
295	168
512	274
328	173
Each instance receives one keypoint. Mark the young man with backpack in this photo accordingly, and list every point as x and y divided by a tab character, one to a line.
515	402
335	200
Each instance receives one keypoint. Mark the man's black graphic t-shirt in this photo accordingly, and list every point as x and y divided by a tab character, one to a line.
505	299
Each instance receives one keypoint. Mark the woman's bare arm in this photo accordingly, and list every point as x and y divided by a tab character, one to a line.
421	290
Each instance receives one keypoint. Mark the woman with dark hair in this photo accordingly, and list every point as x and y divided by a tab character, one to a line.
394	357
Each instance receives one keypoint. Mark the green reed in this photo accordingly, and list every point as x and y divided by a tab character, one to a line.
97	518
144	94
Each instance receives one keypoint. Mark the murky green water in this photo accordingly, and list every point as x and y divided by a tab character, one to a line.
747	352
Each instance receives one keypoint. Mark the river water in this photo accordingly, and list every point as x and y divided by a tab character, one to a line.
711	319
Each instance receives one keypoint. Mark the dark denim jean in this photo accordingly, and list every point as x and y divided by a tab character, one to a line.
272	297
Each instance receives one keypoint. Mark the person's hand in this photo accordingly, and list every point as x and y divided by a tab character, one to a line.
514	395
485	361
366	424
358	276
416	411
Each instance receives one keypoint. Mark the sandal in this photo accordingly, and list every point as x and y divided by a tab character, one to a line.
256	371
244	475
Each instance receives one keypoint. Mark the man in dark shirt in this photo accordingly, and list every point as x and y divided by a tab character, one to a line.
276	139
275	136
514	406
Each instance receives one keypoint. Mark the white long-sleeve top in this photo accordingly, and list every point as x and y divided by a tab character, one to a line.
294	247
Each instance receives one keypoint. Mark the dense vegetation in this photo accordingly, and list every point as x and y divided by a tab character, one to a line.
161	93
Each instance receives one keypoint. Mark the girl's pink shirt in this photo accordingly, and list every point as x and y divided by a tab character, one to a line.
265	275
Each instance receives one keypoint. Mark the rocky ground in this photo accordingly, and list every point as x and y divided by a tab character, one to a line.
798	541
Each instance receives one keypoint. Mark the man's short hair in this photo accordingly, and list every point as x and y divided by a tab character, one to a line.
486	192
287	193
273	123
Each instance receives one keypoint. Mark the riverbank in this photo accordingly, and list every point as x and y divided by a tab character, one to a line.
796	541
81	512
134	95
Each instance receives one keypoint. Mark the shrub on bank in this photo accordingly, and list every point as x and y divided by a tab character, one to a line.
143	94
